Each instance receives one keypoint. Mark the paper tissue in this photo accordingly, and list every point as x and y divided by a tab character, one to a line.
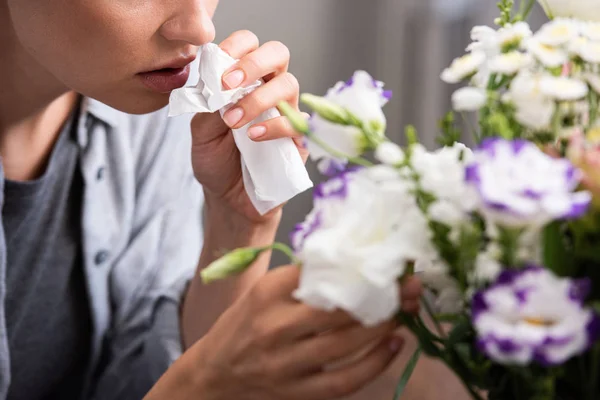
273	171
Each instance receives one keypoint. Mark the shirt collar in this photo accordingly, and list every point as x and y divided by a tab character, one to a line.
98	110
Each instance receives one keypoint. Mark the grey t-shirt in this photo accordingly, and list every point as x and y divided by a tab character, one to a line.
47	312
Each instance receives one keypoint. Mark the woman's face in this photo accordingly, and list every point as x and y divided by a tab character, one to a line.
115	51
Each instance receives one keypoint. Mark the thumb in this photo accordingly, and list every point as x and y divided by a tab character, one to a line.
207	128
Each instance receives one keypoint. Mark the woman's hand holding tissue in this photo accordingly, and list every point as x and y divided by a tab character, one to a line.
215	157
231	218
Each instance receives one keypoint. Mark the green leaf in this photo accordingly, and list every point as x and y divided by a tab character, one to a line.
555	255
408	371
459	333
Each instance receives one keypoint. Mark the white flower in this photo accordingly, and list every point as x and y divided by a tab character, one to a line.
510	63
389	153
533	109
549	56
577	44
589	51
364	97
487	267
591	30
434	275
369	227
558	32
463	67
484	39
512	35
563	88
468	99
586	10
442	174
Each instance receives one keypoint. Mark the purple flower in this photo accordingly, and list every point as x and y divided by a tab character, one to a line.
531	315
519	185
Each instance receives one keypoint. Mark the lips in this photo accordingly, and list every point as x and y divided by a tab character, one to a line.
168	78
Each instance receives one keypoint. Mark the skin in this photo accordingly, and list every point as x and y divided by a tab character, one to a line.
254	341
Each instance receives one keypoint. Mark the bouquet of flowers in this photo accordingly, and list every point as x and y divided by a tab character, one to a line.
506	236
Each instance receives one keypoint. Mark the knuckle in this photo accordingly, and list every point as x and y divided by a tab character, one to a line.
291	82
252	64
257	102
248	35
260	294
281	49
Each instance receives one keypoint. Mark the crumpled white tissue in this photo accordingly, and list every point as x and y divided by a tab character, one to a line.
273	171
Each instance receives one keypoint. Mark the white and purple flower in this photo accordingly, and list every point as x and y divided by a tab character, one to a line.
356	243
531	315
518	185
364	98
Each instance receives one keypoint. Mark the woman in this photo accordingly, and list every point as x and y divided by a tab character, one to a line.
101	216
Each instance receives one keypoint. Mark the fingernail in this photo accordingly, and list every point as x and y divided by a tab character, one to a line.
396	344
233	116
234	78
256	132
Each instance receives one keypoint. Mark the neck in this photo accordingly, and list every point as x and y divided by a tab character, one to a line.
34	105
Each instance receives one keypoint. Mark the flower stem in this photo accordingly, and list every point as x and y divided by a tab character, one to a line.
526	8
339	154
472	129
594	372
287	250
431	314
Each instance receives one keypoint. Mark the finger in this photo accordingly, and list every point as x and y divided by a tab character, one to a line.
411	306
282	87
240	43
206	128
275	128
314	353
272	58
312	321
349	379
411	288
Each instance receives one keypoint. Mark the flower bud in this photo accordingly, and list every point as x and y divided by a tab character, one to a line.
327	110
230	264
296	118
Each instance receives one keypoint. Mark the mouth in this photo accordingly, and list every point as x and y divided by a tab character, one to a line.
169	77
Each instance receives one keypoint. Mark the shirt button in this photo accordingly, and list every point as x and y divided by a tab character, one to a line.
100	173
101	257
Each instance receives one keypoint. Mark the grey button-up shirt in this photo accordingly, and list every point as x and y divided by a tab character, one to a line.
142	236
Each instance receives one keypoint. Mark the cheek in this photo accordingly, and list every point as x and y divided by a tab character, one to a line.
88	44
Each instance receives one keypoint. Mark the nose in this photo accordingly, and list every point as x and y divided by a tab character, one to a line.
191	23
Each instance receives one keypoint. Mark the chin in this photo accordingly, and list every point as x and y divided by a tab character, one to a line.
140	104
132	101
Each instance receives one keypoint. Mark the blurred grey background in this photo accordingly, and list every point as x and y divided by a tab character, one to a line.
406	44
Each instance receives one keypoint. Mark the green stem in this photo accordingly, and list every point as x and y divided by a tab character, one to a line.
472	129
594	372
339	154
287	250
526	8
431	314
471	391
